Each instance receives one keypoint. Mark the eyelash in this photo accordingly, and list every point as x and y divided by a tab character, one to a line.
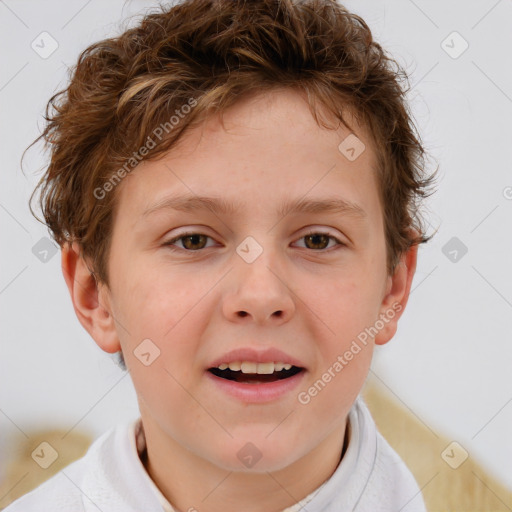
170	243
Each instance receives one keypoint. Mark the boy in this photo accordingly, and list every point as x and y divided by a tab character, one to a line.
234	187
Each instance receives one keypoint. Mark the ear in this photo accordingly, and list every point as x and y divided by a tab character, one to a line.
91	300
397	294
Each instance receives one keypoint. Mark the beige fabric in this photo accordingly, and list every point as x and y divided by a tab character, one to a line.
19	473
469	488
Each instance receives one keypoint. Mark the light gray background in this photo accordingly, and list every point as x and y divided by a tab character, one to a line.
450	361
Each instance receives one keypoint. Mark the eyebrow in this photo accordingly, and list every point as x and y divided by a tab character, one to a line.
191	203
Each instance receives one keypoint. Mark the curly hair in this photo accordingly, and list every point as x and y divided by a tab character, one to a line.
206	54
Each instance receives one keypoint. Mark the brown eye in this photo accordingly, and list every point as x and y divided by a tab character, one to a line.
192	242
189	241
317	241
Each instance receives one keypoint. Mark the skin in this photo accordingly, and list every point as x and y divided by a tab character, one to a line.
197	305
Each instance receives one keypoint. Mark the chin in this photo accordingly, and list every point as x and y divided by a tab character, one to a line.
255	457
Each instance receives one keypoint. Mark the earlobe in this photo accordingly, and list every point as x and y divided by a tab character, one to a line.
90	299
397	295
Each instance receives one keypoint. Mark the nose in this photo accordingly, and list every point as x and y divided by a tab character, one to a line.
258	292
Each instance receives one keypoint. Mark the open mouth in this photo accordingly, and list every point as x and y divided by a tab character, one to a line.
250	378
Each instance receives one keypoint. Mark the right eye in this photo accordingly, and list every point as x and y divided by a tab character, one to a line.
191	242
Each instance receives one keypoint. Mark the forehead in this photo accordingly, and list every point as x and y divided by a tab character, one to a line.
270	150
282	118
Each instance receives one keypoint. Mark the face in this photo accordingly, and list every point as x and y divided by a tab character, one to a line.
258	274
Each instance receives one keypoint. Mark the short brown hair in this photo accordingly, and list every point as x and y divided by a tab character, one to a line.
212	52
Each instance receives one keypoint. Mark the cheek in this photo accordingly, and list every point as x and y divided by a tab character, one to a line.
345	311
346	304
156	300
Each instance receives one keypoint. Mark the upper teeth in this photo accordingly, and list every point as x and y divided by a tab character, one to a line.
249	367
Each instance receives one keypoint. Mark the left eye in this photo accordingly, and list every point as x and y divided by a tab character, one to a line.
320	240
197	241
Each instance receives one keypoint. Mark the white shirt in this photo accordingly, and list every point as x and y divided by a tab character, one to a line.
110	477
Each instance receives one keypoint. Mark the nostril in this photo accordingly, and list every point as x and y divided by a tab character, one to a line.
242	313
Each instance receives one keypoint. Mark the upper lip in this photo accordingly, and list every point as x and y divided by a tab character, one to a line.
256	356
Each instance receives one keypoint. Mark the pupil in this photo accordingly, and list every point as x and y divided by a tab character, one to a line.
192	237
316	237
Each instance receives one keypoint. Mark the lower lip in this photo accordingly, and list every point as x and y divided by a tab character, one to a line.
257	392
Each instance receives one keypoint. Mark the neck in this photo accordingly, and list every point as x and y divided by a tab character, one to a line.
190	482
